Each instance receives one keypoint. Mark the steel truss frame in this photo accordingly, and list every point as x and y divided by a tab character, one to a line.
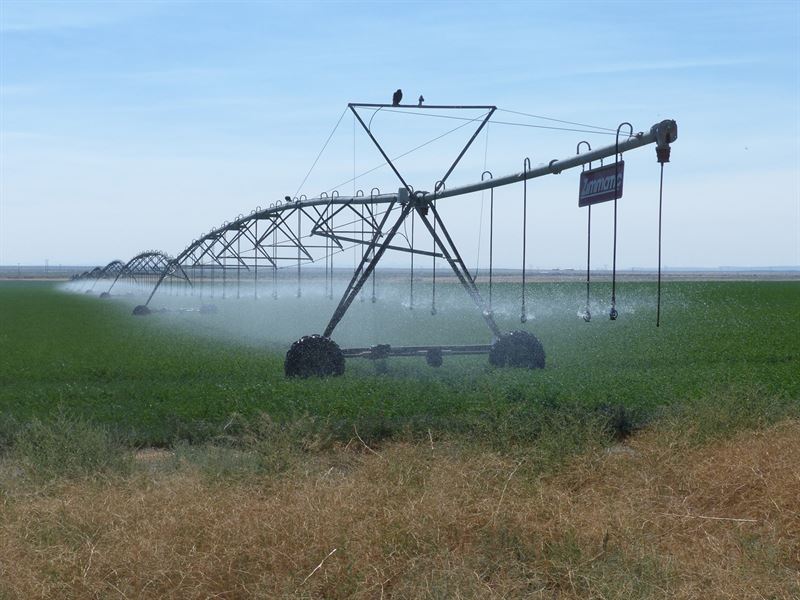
274	237
110	270
145	268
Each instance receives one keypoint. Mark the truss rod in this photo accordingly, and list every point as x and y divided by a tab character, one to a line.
662	133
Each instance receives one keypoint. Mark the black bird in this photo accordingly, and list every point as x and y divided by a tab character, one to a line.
287	199
398	95
421	100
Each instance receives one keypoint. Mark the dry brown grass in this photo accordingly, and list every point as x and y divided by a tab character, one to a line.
657	519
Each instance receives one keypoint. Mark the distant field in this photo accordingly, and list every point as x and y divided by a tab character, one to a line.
181	376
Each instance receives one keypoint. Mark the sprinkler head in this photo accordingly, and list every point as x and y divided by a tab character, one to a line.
613	314
587	316
523	318
433	310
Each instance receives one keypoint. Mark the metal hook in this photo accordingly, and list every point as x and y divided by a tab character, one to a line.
334	194
613	313
630	135
372	193
302	197
578	151
359	194
489	311
587	314
526	166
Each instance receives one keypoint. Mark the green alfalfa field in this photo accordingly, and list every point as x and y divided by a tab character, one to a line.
732	347
168	456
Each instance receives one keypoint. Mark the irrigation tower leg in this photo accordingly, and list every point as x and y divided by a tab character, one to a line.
448	250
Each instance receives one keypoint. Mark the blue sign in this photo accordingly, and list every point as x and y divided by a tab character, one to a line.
602	184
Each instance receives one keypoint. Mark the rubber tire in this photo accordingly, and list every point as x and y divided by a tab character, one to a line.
517	349
314	356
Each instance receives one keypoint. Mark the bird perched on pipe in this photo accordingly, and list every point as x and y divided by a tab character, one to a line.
421	100
397	97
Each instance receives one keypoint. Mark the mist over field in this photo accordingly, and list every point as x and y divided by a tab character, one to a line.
273	316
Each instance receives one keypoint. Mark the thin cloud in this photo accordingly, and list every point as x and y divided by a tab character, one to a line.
19	89
32	17
180	74
666	65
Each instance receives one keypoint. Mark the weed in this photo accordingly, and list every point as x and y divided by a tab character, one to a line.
441	520
65	446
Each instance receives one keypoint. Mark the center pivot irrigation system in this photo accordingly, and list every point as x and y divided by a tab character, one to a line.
300	231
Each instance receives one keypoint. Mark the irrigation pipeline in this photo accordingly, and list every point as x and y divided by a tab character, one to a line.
553	167
371	228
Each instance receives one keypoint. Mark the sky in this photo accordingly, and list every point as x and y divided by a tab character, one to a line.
134	125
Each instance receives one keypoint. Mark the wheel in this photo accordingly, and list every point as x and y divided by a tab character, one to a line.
434	357
314	356
517	349
141	310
